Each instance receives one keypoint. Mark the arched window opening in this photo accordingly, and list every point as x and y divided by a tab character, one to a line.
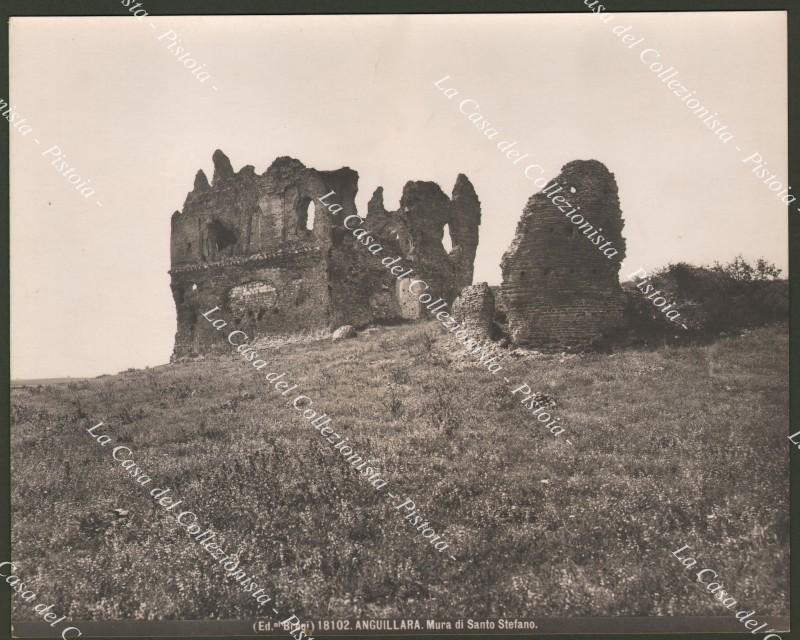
447	241
220	237
306	214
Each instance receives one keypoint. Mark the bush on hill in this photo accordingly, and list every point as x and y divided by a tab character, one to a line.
711	299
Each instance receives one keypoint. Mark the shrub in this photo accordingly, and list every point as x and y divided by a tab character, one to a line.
393	404
713	299
742	271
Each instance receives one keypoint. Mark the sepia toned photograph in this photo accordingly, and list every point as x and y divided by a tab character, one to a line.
399	323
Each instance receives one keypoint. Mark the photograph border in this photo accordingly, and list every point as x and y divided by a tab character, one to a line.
574	627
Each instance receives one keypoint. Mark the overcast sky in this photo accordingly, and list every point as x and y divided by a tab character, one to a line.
90	289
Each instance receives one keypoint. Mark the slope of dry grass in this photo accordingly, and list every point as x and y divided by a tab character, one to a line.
670	447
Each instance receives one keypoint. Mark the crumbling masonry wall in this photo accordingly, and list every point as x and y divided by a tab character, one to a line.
417	228
559	290
264	250
244	243
474	309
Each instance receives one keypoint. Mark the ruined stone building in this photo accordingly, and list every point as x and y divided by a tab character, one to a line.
559	289
264	250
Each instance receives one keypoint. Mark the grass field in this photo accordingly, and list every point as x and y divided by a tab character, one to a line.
680	445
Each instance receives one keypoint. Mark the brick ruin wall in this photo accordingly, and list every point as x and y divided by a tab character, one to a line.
275	261
417	228
559	290
475	310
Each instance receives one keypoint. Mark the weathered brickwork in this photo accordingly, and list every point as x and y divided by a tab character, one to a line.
416	231
463	227
264	250
559	290
474	309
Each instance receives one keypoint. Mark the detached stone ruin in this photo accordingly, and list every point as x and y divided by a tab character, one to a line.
474	309
560	290
560	287
264	250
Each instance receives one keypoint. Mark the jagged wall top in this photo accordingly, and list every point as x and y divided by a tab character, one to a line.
244	214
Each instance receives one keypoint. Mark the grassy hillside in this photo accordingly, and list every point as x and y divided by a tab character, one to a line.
670	447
